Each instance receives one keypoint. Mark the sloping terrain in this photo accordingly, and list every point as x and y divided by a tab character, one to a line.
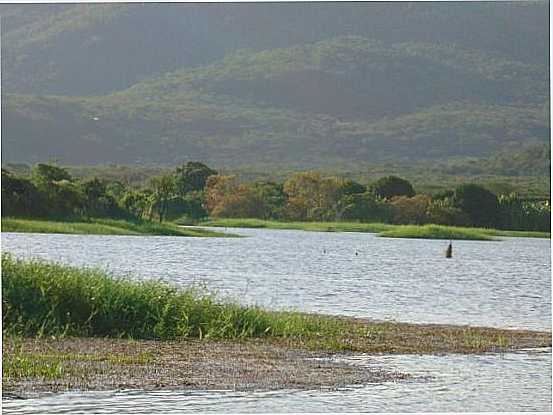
417	88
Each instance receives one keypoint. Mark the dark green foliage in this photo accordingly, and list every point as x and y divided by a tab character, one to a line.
163	190
364	207
478	203
391	186
49	173
350	187
308	196
97	202
517	213
273	197
192	177
20	196
188	208
443	212
120	54
337	100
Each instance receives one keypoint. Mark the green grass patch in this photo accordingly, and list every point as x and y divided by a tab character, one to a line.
436	232
41	298
517	234
102	227
55	364
304	226
382	229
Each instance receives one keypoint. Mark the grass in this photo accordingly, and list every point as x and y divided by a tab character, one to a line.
436	232
304	226
101	227
382	229
44	299
51	364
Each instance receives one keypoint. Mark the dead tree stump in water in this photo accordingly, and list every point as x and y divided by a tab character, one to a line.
449	251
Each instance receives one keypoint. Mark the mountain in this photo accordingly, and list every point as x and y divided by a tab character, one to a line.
93	49
374	82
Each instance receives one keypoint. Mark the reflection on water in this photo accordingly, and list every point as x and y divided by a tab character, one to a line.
493	382
501	284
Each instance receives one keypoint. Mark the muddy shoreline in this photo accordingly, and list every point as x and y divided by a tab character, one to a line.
110	364
36	365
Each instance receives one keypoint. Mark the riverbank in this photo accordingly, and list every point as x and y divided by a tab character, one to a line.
103	227
35	365
381	229
67	328
32	366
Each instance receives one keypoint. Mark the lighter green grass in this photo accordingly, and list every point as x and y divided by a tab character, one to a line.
21	364
305	226
102	227
382	229
455	232
47	299
436	232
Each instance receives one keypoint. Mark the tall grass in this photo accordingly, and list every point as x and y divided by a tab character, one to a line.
101	227
44	298
41	298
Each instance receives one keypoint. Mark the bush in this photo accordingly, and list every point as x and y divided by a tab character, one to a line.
481	205
410	210
391	186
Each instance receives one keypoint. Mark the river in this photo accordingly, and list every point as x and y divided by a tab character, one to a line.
503	284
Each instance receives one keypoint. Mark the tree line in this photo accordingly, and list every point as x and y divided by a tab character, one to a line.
194	191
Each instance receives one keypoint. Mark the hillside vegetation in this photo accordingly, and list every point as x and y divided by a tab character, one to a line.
280	86
345	100
93	49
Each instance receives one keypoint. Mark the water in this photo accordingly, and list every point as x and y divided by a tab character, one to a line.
502	284
457	383
498	284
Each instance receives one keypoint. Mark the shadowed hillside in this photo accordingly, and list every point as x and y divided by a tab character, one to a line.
415	88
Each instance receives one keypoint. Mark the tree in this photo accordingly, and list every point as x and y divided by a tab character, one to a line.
481	205
273	198
62	197
519	214
191	177
217	188
390	186
443	212
137	203
163	188
350	187
410	210
364	207
97	201
225	197
312	197
20	197
49	173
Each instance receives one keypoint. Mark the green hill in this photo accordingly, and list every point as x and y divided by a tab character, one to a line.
345	100
304	86
93	49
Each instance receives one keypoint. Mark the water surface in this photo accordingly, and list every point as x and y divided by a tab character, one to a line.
503	284
499	284
450	383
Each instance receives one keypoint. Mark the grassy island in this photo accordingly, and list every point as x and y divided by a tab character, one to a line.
66	327
102	227
382	229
